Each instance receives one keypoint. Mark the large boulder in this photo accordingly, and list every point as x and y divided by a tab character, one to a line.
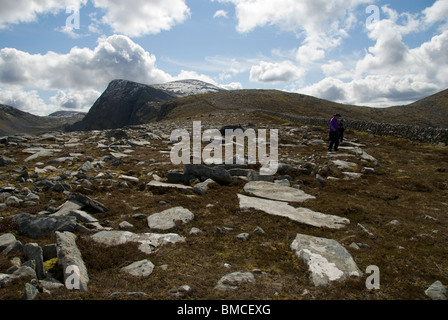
277	192
38	226
327	260
218	174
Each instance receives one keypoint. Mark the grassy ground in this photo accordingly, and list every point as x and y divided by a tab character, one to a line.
410	186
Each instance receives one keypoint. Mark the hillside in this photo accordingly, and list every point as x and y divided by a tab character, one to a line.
429	112
14	121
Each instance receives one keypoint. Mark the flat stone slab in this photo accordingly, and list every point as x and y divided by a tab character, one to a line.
159	184
327	260
277	192
231	281
170	218
149	242
301	215
143	268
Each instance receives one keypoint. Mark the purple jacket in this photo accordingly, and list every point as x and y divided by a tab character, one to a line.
334	125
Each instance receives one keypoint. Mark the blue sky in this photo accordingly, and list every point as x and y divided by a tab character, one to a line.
392	54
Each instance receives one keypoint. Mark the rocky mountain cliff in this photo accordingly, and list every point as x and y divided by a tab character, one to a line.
129	103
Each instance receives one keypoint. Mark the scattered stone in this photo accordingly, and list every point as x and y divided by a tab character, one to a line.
259	230
301	215
6	240
202	188
276	192
436	291
129	179
125	225
231	281
34	252
30	292
143	268
170	218
368	171
243	237
327	260
195	231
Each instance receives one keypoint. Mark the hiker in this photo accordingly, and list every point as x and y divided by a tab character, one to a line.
341	130
334	133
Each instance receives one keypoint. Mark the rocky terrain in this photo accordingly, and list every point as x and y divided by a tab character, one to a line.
106	215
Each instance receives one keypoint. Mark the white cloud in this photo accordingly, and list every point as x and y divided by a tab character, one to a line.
24	11
72	100
28	101
437	12
82	68
136	18
221	14
276	72
232	86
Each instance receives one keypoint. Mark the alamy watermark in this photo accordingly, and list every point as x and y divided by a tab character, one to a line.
72	280
74	20
373	281
182	152
375	15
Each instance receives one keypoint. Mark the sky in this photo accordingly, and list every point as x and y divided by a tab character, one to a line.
61	54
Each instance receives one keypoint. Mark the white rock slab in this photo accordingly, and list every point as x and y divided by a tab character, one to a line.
274	191
143	268
168	185
327	260
168	219
149	242
301	215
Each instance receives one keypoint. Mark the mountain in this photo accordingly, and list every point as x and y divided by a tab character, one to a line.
14	121
429	112
129	103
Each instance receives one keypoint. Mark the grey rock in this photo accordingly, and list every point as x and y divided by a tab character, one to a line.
125	225
34	252
139	216
301	215
368	171
13	202
231	281
129	179
69	256
82	216
272	191
243	237
142	268
86	167
256	176
327	260
259	230
320	181
87	202
6	240
436	291
195	231
30	292
149	242
202	188
158	184
218	174
283	182
50	284
37	226
170	218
